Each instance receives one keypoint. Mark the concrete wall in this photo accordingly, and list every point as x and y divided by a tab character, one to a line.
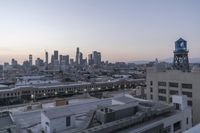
44	120
124	113
115	115
147	127
180	117
58	124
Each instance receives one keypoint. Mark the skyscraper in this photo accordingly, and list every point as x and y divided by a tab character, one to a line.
46	60
56	62
99	58
71	61
90	61
55	55
80	59
52	59
65	59
14	62
30	60
96	56
77	55
46	57
60	59
39	62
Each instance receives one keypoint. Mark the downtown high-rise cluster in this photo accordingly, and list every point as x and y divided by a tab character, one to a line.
59	61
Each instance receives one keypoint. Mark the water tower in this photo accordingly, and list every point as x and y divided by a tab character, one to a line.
181	61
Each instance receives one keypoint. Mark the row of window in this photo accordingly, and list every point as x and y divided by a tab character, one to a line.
164	99
172	92
176	126
10	94
28	92
175	92
173	84
162	91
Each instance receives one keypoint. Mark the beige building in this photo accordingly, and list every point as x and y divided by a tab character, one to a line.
162	84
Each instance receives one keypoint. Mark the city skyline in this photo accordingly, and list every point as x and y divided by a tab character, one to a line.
121	31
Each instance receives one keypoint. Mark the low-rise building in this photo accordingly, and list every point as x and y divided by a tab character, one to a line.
53	122
119	114
7	124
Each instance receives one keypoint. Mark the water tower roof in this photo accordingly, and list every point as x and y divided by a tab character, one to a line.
181	40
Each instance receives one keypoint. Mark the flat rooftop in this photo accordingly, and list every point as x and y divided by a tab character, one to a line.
123	106
78	108
5	120
32	119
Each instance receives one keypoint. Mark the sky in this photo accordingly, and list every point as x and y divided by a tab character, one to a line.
122	30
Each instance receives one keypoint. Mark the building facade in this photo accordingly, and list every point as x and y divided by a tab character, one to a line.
28	92
163	84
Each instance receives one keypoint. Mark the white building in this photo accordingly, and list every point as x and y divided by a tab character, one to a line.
53	122
124	114
194	129
162	84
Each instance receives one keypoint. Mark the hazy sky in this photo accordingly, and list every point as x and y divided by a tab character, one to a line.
123	30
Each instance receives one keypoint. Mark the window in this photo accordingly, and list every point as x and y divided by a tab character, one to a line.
162	98
188	94
177	126
187	86
172	84
162	83
177	106
187	121
68	120
47	123
189	103
151	82
151	89
167	129
162	91
173	92
170	100
151	96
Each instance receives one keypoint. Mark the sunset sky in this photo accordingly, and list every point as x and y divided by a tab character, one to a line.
122	30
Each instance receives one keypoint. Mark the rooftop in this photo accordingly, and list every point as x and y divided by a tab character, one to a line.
81	111
79	108
123	106
5	120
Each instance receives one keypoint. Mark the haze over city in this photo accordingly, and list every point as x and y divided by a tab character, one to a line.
121	30
99	66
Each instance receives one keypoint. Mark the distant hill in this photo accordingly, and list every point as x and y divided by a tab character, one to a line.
191	60
140	62
169	60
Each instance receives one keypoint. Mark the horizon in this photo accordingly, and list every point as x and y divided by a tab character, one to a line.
122	31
